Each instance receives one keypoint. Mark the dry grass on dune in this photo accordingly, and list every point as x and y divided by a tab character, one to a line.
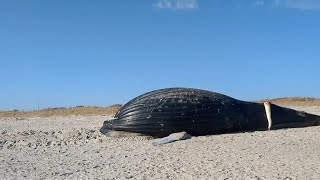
79	110
93	110
294	101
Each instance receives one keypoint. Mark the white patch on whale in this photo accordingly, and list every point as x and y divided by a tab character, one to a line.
267	107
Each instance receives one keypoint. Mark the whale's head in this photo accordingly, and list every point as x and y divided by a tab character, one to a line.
107	126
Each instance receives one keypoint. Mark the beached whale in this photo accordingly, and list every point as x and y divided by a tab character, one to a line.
199	112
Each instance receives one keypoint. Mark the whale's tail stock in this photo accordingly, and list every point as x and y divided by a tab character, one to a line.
282	117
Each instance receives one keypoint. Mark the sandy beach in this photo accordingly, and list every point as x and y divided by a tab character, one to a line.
165	68
73	148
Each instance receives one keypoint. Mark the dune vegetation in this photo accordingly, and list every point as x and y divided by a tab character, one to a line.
61	111
294	101
94	110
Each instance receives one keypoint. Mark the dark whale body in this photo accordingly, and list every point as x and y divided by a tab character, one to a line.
199	112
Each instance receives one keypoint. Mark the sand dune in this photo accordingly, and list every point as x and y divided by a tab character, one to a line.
72	147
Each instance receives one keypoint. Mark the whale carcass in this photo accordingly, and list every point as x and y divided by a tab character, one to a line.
200	112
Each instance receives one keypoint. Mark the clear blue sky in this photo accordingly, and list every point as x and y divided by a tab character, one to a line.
75	52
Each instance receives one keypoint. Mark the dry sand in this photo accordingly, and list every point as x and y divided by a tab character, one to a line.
73	148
